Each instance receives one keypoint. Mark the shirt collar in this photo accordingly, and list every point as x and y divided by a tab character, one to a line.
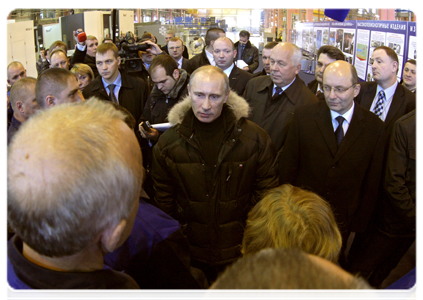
284	87
104	282
389	92
210	58
228	70
347	116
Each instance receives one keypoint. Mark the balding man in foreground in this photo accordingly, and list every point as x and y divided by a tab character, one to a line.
335	148
211	167
57	86
274	98
83	208
286	269
65	199
22	99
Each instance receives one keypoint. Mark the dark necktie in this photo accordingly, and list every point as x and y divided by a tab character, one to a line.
112	93
379	104
339	132
242	50
277	93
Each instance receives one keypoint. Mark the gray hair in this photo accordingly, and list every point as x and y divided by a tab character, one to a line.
68	179
273	268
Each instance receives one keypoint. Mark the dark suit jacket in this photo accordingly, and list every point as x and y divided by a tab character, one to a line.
347	177
132	94
184	63
313	85
262	72
403	102
276	119
238	80
399	213
197	61
184	54
82	57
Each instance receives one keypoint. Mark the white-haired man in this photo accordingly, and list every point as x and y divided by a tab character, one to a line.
274	98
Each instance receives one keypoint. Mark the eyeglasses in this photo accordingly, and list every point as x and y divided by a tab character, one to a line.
173	48
337	91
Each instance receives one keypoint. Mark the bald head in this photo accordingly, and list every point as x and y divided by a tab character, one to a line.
15	71
224	52
340	86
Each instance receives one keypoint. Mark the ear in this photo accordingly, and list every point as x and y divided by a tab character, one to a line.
357	90
395	65
119	60
50	101
111	236
175	74
298	69
235	52
19	106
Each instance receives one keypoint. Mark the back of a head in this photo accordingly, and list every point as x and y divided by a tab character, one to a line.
290	217
332	52
270	45
51	82
285	269
213	34
67	183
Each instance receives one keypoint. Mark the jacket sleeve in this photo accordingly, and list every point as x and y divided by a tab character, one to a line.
78	56
164	184
266	176
398	162
255	64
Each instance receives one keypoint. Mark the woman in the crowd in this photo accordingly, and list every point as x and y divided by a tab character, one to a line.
290	217
84	74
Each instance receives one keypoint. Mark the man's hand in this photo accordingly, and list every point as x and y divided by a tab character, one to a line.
154	48
246	69
151	134
75	34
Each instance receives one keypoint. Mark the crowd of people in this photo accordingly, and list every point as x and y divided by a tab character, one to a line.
204	172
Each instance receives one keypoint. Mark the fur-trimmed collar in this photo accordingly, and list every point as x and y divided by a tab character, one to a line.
237	104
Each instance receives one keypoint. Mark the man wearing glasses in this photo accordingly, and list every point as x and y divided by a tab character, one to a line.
335	148
176	49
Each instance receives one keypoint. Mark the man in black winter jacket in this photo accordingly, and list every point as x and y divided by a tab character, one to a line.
247	52
211	167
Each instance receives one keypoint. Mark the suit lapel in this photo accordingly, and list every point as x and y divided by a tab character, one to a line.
368	95
397	102
233	77
354	131
324	123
